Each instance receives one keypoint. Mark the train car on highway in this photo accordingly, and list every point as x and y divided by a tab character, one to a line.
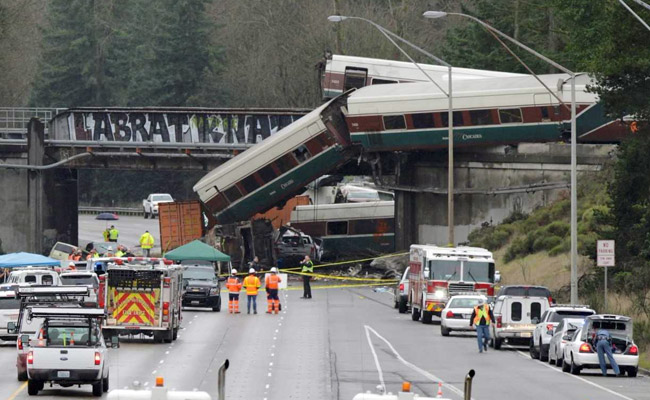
340	73
366	228
437	273
280	166
505	110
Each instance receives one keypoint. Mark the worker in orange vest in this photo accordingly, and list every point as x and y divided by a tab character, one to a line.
252	284
272	285
234	287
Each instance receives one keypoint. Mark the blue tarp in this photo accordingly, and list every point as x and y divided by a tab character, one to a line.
26	259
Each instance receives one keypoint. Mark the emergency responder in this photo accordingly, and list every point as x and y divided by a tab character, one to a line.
75	255
272	285
307	268
604	347
106	234
482	317
120	251
113	234
92	254
109	252
255	264
252	284
234	287
146	242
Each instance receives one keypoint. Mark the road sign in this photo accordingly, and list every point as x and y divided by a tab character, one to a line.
605	253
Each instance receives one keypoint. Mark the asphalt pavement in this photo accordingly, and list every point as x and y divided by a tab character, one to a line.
342	342
130	228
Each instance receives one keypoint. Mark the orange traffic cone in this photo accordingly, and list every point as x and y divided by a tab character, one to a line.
439	395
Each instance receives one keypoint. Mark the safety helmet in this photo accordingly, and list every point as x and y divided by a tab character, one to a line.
234	271
110	248
274	270
251	271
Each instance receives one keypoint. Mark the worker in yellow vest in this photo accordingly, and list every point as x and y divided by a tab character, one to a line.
252	285
113	234
146	242
482	317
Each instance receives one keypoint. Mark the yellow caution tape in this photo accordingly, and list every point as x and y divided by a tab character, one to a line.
343	278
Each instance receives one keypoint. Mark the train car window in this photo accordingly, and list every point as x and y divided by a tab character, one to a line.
545	116
377	81
423	120
510	115
458	118
285	163
267	174
250	184
394	122
218	202
355	78
371	226
232	194
481	117
301	154
337	228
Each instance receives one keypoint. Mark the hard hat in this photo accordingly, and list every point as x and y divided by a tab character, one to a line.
251	271
71	264
274	270
481	301
110	248
234	271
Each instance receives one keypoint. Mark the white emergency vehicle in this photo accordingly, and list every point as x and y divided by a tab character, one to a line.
68	350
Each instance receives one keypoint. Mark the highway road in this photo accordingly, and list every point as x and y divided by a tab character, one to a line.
130	227
342	342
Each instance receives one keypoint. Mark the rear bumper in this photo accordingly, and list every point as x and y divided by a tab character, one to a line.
457	324
76	375
590	360
204	301
513	334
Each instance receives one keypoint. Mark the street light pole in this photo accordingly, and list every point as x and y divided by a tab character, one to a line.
574	193
450	119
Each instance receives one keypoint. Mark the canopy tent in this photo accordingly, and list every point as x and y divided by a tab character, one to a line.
26	259
196	250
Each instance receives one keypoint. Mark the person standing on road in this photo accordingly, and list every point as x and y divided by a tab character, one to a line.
234	287
106	234
255	264
482	317
307	268
113	234
146	242
604	346
252	284
272	285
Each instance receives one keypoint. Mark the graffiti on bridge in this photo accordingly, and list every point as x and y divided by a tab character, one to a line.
166	127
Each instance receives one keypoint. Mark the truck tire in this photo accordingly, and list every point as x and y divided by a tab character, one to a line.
403	306
573	368
146	215
565	366
175	333
444	331
218	306
157	337
427	317
22	376
33	387
415	314
105	384
497	343
534	354
168	336
632	371
98	389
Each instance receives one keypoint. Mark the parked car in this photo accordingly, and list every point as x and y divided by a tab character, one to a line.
26	276
291	243
9	309
526	291
201	288
514	318
580	353
150	204
401	292
84	278
564	332
457	312
539	343
61	251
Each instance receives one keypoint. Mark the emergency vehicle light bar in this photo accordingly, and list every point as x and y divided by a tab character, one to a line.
572	305
53	290
67	312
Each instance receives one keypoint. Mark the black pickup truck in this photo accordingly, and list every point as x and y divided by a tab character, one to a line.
201	287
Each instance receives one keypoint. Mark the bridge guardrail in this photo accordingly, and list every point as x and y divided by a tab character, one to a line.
117	210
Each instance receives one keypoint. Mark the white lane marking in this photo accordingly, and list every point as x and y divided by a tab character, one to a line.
272	354
412	366
167	352
162	361
277	330
269	374
267	385
374	355
146	383
154	372
270	364
527	355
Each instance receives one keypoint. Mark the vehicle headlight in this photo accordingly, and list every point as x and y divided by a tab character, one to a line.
439	294
214	291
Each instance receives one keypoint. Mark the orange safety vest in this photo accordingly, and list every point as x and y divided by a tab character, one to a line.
252	283
272	281
233	284
481	312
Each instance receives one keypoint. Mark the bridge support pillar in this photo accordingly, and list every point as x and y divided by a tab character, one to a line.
35	208
405	223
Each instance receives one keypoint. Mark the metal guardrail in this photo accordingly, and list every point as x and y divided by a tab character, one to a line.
14	120
116	210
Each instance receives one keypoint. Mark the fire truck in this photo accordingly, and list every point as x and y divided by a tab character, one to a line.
437	273
142	296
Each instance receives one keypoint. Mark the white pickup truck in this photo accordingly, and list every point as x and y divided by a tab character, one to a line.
150	204
69	350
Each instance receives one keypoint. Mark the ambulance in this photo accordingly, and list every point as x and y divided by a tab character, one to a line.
142	296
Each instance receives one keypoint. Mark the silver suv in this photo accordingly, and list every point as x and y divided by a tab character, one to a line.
546	324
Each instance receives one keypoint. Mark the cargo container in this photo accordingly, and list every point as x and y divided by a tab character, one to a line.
180	223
